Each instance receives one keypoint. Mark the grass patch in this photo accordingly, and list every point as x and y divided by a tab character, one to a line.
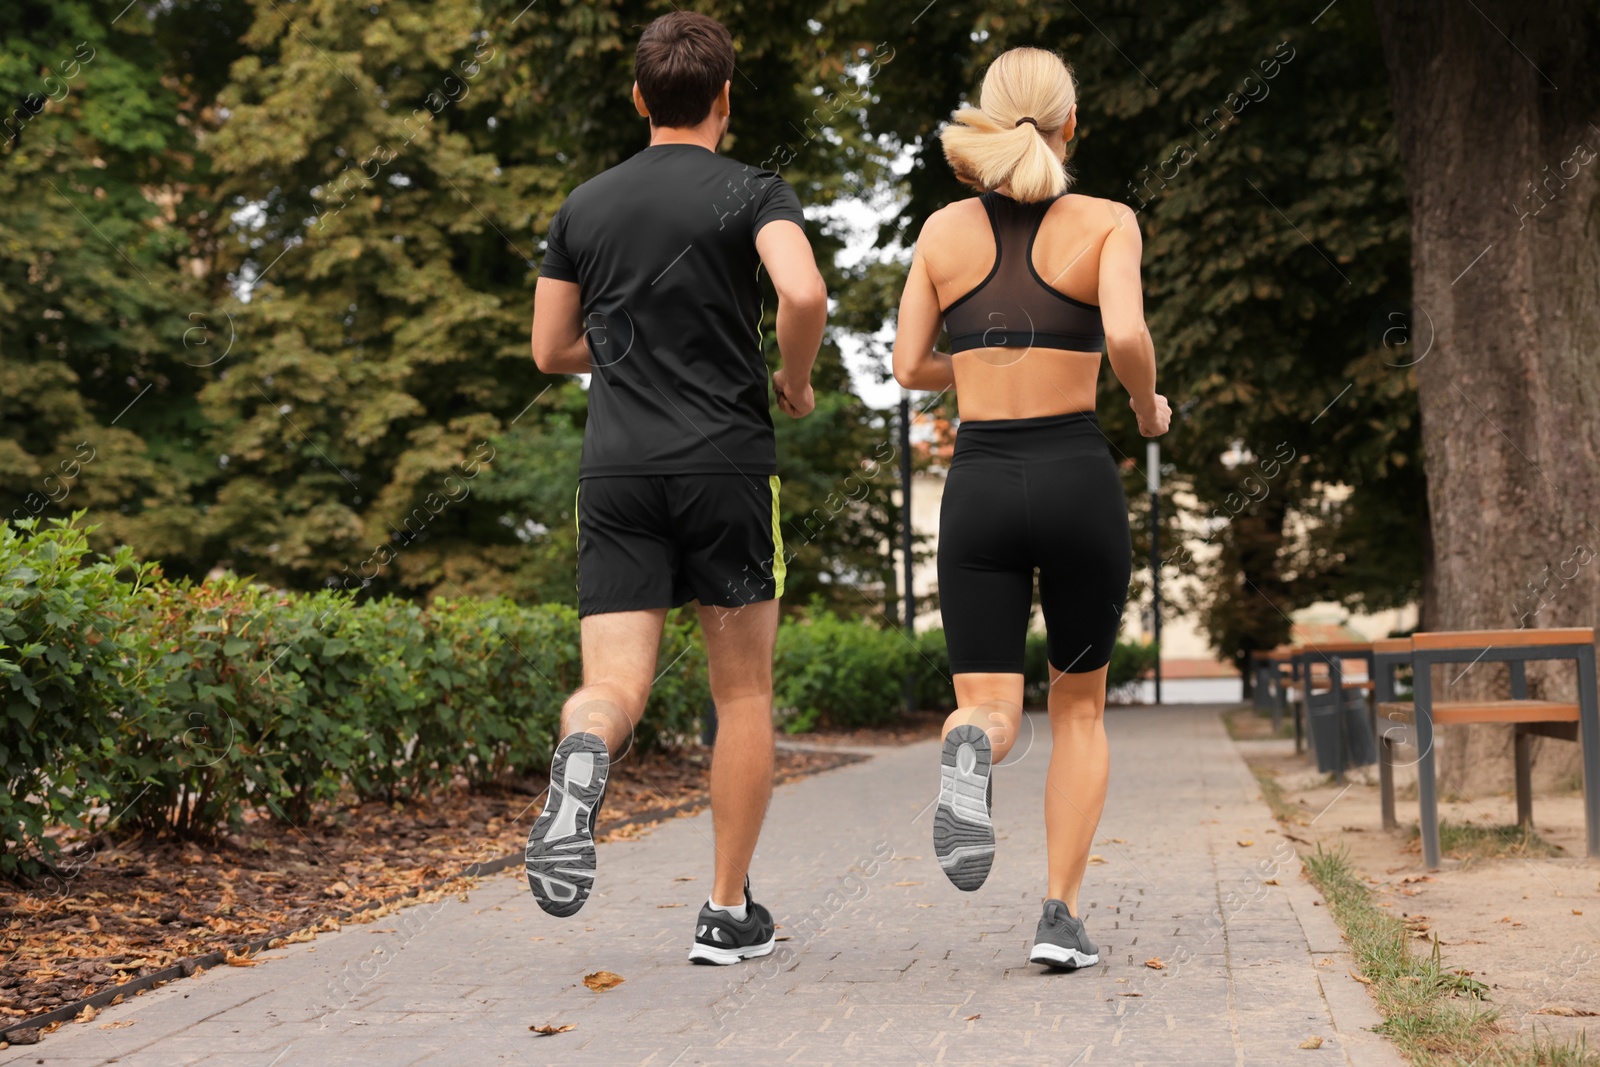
1272	792
1433	1012
1466	841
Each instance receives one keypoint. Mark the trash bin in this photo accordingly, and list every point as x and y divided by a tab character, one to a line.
1324	724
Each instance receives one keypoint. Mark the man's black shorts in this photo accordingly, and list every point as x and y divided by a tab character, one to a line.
658	541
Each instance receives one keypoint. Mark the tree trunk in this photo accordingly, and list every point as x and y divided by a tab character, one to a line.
1499	133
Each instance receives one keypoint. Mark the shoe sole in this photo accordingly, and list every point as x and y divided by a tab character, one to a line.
1067	958
560	858
723	957
963	833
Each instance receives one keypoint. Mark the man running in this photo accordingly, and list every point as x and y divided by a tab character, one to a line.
650	282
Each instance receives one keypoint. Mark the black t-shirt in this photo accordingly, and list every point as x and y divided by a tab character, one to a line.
663	250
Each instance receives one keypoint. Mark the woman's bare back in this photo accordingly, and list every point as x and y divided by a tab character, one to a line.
958	247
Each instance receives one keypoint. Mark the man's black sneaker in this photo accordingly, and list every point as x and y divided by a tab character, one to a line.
963	833
560	857
1061	940
721	939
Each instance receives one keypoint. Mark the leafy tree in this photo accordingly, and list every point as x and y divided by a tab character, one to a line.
96	382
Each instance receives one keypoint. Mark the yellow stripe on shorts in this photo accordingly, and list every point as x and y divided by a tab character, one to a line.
778	566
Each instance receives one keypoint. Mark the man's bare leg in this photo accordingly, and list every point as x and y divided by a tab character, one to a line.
619	663
739	646
619	660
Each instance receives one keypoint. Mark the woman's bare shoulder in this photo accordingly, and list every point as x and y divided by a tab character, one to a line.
954	219
1097	211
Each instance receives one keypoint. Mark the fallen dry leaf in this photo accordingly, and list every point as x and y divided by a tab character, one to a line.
600	981
1155	964
1130	994
924	905
783	937
1246	842
684	878
547	1029
1408	879
972	1017
1563	1010
1363	979
235	960
1097	858
118	1024
86	1015
669	905
1270	881
1577	911
907	883
1311	1042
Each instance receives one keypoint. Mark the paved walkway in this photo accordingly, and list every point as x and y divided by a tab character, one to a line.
886	963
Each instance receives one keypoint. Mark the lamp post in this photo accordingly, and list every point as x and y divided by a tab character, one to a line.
1153	481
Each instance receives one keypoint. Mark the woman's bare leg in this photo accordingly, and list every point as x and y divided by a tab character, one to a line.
1075	784
991	702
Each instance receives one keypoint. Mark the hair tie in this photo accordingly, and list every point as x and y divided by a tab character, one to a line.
1025	118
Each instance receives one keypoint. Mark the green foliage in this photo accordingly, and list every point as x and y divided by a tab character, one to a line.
63	648
1129	661
931	672
180	707
839	672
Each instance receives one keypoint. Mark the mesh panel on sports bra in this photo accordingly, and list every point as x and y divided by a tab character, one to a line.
1013	307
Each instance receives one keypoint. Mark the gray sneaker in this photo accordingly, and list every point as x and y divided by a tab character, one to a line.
1061	940
560	857
721	939
963	833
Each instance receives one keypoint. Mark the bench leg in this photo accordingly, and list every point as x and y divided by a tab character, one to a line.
1386	782
1589	737
1523	745
1427	797
1299	732
1276	691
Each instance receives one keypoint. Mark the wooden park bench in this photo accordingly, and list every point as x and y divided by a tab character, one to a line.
1413	720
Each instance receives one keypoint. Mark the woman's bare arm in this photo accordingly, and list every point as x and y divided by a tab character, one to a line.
916	364
1128	344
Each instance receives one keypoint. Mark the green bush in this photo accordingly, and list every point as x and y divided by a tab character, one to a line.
62	656
931	669
839	672
181	707
1129	661
682	689
197	737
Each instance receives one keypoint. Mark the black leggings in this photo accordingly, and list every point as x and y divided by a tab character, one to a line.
1023	494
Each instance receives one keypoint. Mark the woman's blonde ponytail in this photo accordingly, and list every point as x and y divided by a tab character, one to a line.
1026	93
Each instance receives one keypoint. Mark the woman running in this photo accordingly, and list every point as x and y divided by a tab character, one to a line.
1030	283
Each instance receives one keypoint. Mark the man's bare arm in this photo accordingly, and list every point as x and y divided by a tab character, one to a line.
802	311
559	346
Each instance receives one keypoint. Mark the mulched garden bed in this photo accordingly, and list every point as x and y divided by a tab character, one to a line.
129	907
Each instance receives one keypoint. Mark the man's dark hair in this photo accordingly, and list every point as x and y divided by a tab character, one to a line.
683	60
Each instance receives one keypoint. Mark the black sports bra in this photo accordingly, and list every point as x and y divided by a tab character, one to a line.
1013	307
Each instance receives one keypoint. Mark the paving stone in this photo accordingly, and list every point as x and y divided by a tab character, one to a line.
868	976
